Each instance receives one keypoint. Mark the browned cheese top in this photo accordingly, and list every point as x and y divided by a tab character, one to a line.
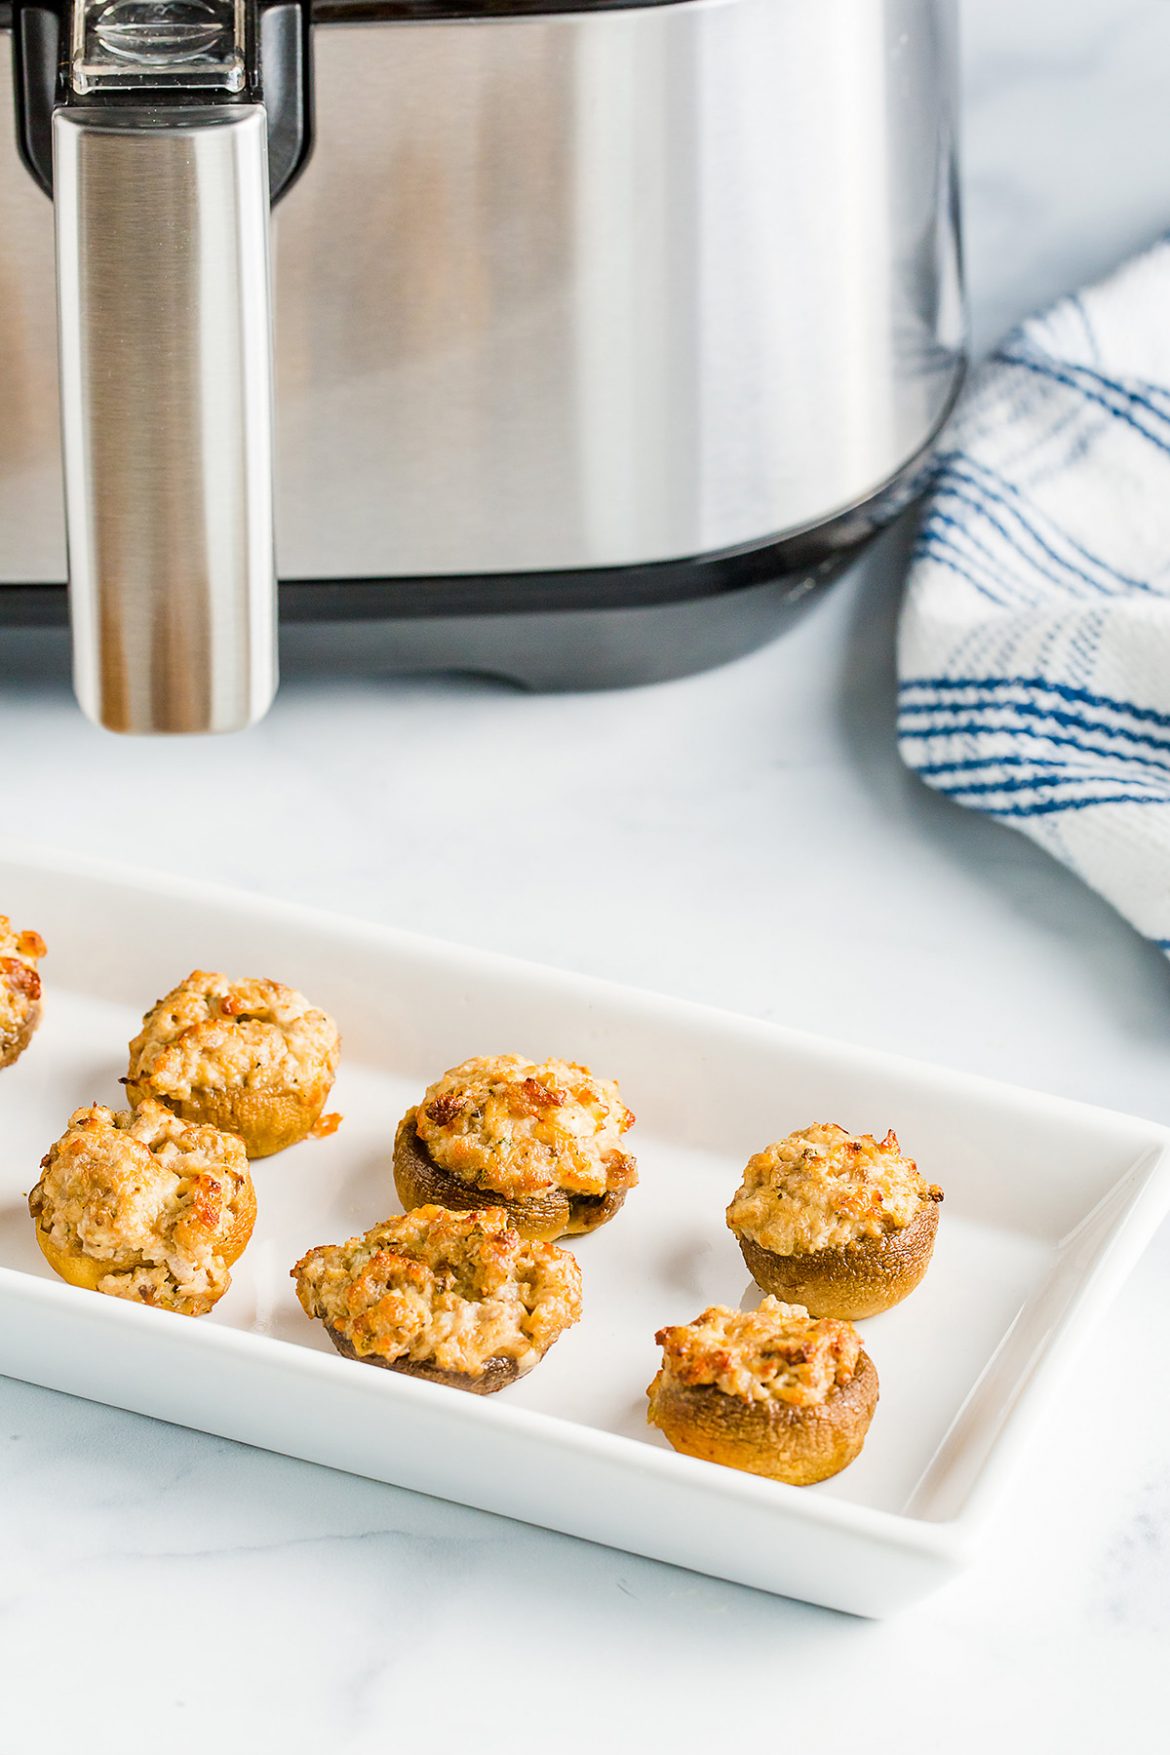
20	984
211	1033
520	1128
777	1352
152	1196
453	1290
821	1187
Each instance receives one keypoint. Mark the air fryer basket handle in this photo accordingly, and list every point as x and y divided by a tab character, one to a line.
161	150
166	404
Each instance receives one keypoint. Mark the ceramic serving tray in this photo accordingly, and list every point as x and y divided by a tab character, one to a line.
1048	1205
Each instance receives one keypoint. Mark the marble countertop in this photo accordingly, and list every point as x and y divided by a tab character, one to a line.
163	1588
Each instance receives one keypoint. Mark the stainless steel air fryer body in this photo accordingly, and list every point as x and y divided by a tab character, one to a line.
577	311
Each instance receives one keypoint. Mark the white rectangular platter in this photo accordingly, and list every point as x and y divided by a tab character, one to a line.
1048	1205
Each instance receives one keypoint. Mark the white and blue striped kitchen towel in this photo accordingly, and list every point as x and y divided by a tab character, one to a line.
1034	649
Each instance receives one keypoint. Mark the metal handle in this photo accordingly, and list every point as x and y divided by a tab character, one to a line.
162	220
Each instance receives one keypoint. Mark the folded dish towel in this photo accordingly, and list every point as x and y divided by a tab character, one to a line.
1034	650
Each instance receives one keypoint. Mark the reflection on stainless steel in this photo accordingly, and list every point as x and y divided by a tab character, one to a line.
605	287
581	289
166	400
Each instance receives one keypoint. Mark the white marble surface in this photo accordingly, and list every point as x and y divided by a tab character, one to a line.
748	838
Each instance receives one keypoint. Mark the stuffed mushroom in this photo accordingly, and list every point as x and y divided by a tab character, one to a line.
142	1205
842	1223
457	1298
772	1391
541	1140
251	1056
20	989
